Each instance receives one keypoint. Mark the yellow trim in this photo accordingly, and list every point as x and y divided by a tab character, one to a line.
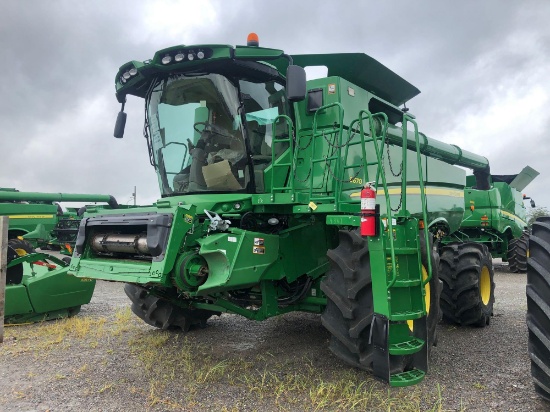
513	217
416	191
427	297
485	285
32	217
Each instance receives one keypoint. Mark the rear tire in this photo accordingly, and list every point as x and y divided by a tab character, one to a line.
538	305
349	312
517	253
466	270
162	314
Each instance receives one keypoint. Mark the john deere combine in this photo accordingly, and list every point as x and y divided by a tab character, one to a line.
263	179
497	217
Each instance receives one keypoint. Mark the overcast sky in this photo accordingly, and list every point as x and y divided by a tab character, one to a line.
483	68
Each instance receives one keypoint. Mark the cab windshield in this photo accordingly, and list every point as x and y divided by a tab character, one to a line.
196	132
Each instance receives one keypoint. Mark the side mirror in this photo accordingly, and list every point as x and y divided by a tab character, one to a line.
120	124
533	203
295	83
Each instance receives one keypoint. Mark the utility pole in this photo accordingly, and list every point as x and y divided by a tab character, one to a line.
4	221
134	194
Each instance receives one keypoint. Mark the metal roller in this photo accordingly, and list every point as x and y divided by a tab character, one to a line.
120	243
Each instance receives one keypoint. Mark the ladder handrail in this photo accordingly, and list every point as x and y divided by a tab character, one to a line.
275	140
380	174
336	173
409	119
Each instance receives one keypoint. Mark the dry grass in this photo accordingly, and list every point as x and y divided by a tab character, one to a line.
170	358
181	375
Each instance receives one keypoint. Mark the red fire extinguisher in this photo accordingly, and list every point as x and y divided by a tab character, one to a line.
368	210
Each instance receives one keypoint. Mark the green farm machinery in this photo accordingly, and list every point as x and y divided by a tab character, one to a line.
38	286
498	218
263	208
38	221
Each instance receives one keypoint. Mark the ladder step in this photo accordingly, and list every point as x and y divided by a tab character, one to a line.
408	315
406	283
408	378
406	348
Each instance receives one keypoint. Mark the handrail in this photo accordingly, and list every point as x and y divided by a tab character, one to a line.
408	119
275	140
336	173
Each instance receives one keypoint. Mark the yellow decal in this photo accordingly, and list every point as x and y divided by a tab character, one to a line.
31	217
312	206
188	218
512	216
356	180
416	191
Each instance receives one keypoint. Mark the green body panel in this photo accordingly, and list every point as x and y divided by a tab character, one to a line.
27	218
45	293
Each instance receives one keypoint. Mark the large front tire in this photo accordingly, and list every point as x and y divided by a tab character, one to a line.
349	312
518	252
538	305
466	270
162	314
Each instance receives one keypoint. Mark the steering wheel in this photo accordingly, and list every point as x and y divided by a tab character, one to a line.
209	127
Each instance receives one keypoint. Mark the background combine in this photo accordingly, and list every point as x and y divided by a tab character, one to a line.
37	220
283	195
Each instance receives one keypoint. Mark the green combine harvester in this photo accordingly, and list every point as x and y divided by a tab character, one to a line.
498	218
268	185
38	286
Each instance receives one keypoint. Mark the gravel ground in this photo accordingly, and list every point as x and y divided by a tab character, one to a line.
473	369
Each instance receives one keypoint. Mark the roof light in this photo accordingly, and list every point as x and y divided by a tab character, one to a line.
252	40
133	71
179	57
200	54
166	59
126	75
122	79
190	56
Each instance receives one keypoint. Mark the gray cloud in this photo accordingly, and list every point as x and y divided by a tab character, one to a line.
60	58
